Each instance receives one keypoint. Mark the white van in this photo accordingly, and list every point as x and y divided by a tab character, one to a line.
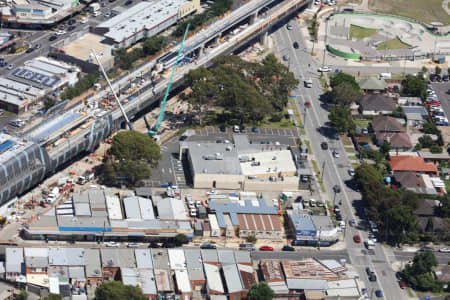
236	129
386	75
312	202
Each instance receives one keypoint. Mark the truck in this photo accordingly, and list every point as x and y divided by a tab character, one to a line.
308	82
94	8
88	176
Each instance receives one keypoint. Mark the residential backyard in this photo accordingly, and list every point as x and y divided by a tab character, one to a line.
427	11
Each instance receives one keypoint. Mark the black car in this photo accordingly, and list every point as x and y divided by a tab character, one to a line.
29	50
324	146
207	246
295	45
438	78
287	248
372	277
336	189
338	217
396	89
129	2
71	28
154	245
52	38
445	78
299	199
369	271
432	77
169	245
222	128
72	21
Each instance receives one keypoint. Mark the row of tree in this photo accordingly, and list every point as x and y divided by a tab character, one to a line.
84	84
150	46
248	92
420	274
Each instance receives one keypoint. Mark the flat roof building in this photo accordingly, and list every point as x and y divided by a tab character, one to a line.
143	20
241	165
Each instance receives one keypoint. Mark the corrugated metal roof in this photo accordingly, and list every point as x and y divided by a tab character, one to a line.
183	282
194	264
226	257
209	255
77	273
146	207
143	278
93	265
14	260
306	284
114	209
82	209
132	211
171	209
213	278
160	259
242	257
232	278
177	259
143	258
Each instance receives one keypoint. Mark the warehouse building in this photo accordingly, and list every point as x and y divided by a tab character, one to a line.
241	165
144	20
35	79
310	229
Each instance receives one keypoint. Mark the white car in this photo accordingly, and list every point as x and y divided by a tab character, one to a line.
84	21
132	245
112	244
193	212
351	172
198	203
212	192
60	32
324	69
336	154
444	250
191	205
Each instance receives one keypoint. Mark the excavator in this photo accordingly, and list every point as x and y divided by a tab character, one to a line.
153	131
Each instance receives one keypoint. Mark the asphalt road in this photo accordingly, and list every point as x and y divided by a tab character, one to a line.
442	258
335	169
441	89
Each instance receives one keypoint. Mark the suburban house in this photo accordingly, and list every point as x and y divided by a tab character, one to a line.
409	181
407	163
389	129
427	216
371	84
376	104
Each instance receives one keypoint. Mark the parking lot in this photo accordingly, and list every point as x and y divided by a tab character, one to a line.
287	137
441	89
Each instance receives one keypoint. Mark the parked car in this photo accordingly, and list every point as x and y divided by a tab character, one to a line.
379	293
112	244
248	247
52	38
266	248
10	66
445	78
295	45
324	146
352	222
129	2
336	154
351	172
287	248
207	246
29	50
426	248
132	245
289	27
357	238
444	250
402	284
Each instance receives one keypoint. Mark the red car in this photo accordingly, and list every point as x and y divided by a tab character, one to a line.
402	284
356	238
266	248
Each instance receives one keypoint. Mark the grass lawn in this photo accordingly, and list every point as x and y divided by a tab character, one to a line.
426	11
346	140
354	165
362	123
319	177
8	114
447	185
352	157
393	44
349	150
284	123
360	32
308	144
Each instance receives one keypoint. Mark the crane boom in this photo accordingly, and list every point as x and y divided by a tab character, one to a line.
112	90
155	128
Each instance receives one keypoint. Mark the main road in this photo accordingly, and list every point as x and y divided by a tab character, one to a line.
335	169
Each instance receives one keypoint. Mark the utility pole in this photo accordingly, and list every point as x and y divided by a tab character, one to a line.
320	230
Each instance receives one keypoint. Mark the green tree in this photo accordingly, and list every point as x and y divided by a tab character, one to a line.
153	45
344	94
132	155
116	290
53	297
385	147
181	238
341	77
22	296
341	119
260	291
252	239
426	141
430	128
398	112
414	86
424	70
436	149
437	70
444	209
135	146
49	102
420	274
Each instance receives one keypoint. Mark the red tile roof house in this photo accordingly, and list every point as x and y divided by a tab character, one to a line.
406	163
